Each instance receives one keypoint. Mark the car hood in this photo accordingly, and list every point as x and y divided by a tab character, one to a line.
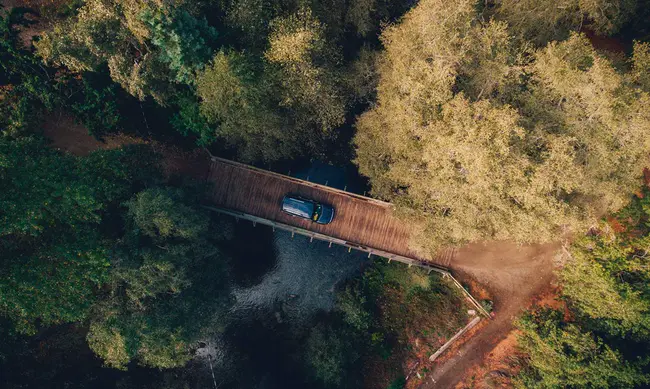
327	216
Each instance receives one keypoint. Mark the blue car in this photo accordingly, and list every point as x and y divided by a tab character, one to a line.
308	209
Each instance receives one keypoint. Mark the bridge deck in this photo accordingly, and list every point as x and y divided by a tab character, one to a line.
359	220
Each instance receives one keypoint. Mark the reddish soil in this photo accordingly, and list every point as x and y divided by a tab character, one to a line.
46	8
514	275
504	361
605	43
72	137
497	368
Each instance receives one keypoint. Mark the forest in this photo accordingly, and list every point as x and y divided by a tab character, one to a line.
499	120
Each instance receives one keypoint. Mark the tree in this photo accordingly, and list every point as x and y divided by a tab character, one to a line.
150	47
95	106
53	258
304	65
596	294
26	89
474	138
56	195
543	21
236	99
598	340
562	355
327	356
168	285
53	284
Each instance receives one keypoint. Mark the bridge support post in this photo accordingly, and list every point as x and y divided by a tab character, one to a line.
349	249
292	234
273	228
330	246
369	254
254	224
345	188
410	264
390	259
429	272
311	239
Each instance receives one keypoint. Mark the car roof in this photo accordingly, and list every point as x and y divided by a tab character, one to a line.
298	206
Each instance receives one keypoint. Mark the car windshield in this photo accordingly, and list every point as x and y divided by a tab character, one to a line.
318	210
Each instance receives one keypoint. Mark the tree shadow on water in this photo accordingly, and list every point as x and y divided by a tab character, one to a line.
252	252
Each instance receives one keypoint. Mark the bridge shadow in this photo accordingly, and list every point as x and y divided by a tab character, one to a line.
252	253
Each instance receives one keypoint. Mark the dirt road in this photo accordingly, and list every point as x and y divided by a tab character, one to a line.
513	275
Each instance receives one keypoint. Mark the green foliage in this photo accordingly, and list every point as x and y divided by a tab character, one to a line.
281	107
543	22
149	47
64	191
352	305
188	120
398	383
25	86
236	99
96	108
475	136
54	284
182	40
328	355
168	284
41	190
54	259
158	214
375	319
304	63
562	355
598	342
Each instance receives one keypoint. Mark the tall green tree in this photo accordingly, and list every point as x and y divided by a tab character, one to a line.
304	63
53	258
544	21
601	337
236	99
563	355
168	285
149	47
26	87
476	137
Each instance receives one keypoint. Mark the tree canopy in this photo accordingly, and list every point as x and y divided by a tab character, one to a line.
505	143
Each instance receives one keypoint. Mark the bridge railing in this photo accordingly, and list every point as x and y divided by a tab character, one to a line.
351	245
302	182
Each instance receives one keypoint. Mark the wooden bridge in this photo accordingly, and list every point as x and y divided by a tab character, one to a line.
361	223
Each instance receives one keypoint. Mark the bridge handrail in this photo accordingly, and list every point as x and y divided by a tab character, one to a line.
390	256
302	182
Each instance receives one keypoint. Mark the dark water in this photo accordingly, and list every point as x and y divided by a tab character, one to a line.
283	282
273	313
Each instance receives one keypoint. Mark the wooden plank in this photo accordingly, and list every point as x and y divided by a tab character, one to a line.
364	221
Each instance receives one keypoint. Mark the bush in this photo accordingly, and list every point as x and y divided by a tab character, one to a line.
398	383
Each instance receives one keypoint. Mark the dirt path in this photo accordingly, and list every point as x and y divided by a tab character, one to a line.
72	137
513	275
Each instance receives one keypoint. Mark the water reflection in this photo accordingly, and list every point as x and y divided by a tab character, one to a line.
302	280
